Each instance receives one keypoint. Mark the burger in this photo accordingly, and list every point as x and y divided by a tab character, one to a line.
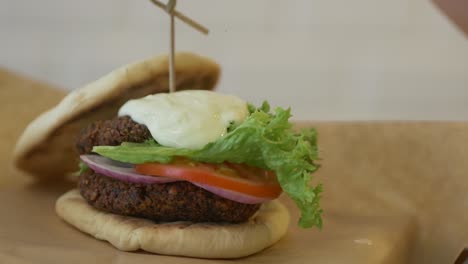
191	173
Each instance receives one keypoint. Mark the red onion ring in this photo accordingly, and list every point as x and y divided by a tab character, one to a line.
121	171
233	195
126	172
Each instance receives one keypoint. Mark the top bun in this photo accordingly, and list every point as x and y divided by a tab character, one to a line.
46	149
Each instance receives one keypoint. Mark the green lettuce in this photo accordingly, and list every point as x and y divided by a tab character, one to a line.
82	168
265	140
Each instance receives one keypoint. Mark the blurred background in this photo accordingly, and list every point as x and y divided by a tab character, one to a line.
327	59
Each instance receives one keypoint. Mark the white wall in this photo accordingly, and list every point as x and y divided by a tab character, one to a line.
327	59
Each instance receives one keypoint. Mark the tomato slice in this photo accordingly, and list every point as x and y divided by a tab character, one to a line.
235	177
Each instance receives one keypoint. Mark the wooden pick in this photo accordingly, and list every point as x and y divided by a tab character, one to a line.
170	9
197	26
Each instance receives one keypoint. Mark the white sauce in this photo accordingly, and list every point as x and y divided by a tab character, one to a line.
186	119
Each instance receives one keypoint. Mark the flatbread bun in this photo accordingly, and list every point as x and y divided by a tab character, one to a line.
46	149
201	240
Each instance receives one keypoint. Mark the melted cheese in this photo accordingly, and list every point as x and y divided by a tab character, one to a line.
186	119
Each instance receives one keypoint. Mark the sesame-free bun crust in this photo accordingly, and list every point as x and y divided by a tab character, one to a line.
46	149
201	240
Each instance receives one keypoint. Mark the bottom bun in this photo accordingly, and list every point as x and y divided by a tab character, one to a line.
202	240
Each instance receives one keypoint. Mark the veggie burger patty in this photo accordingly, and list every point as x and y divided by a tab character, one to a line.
175	201
111	133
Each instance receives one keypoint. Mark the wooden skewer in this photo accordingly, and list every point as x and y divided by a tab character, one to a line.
183	18
170	9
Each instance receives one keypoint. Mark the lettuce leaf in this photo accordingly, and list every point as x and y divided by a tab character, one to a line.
82	168
265	140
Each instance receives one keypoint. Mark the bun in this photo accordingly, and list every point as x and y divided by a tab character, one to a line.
46	149
202	240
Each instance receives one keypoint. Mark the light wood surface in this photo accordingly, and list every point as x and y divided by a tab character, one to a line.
21	100
395	192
